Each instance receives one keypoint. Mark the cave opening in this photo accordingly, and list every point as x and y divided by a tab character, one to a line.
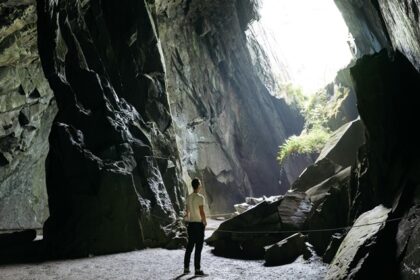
307	42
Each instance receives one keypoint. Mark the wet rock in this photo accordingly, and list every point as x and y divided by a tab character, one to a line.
355	249
285	251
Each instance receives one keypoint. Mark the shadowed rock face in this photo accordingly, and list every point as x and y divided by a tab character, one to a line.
228	125
379	24
113	165
27	110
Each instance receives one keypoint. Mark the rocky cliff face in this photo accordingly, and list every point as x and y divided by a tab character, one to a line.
27	110
384	24
379	196
113	168
228	125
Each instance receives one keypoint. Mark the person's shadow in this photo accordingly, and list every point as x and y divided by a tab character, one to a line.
192	277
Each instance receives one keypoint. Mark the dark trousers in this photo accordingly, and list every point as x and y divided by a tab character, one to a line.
195	238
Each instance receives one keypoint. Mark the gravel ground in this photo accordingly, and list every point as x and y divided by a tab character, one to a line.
160	264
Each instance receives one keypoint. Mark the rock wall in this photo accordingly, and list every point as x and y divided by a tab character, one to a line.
387	86
384	24
113	168
27	109
365	24
228	125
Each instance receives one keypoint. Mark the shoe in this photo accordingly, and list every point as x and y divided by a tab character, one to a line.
186	270
199	273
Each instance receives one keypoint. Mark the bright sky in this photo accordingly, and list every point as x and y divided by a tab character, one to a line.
308	36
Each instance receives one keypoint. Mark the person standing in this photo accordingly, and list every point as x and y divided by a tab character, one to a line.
196	219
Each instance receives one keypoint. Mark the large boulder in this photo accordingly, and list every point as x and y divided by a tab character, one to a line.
338	153
268	222
294	164
285	251
355	250
343	145
315	174
332	202
332	248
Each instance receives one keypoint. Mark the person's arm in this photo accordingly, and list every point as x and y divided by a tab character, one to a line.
203	215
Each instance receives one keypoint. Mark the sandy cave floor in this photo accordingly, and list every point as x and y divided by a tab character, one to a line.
160	264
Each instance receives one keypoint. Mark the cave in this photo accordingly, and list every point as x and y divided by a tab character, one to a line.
109	109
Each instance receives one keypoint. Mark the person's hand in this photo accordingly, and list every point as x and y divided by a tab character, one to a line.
204	223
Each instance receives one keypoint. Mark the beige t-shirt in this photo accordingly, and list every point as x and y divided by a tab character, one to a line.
194	201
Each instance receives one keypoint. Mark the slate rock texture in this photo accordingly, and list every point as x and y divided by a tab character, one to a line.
113	172
27	109
228	125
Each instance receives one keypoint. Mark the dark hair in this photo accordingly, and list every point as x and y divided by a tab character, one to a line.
195	183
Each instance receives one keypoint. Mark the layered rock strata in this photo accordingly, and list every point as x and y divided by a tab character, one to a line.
228	125
112	170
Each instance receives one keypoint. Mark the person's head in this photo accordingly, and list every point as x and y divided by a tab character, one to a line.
195	183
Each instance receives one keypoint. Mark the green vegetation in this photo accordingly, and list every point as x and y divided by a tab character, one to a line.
306	143
318	110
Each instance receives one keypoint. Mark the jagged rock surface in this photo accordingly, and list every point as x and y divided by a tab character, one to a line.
27	110
338	153
354	251
391	24
228	125
332	202
294	164
113	168
285	251
247	234
387	169
365	24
